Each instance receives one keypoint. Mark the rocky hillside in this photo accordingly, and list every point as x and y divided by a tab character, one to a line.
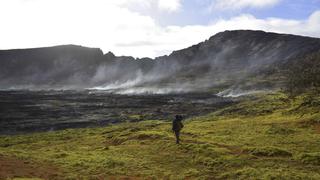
237	58
230	59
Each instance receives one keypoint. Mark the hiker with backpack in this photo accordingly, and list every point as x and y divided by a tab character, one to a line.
177	126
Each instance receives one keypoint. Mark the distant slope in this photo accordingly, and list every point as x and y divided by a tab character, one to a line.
51	66
227	60
234	57
62	67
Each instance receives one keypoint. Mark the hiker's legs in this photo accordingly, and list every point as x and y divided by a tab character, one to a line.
177	133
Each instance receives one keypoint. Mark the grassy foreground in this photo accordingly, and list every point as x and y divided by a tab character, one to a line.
267	136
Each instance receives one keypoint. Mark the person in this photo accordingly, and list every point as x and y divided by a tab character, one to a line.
177	126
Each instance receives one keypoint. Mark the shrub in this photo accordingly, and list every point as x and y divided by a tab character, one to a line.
112	163
245	173
268	151
275	129
303	74
209	162
310	158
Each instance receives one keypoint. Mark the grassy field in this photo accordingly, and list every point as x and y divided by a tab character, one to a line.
266	136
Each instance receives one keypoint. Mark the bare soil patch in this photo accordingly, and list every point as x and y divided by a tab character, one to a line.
12	167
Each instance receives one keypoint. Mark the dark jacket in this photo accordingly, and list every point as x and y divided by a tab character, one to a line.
177	125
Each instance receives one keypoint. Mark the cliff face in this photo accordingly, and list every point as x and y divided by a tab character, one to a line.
237	59
226	59
66	66
56	66
233	51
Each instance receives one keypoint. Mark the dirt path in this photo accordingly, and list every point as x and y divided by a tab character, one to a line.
11	167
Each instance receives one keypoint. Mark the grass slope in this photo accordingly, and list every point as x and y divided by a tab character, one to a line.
267	136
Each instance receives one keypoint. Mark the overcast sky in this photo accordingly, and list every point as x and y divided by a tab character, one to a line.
147	28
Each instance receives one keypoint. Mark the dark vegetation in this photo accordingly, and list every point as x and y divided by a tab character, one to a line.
304	74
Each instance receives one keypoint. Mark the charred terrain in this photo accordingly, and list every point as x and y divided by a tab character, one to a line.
32	111
250	101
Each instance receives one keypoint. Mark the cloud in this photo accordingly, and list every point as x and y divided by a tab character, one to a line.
97	23
162	5
169	5
114	26
308	27
241	4
177	37
167	39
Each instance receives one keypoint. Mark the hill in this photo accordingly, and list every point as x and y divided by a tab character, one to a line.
228	60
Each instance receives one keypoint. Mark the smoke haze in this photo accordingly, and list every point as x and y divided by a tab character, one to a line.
230	59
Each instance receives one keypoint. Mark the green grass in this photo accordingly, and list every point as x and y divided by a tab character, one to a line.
267	136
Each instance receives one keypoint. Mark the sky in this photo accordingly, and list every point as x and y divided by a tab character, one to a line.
147	28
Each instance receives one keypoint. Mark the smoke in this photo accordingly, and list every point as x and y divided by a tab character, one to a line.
238	92
138	78
154	81
150	90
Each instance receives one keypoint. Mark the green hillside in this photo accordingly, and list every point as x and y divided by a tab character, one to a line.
266	136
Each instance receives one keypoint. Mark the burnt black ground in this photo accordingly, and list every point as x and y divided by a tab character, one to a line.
34	111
